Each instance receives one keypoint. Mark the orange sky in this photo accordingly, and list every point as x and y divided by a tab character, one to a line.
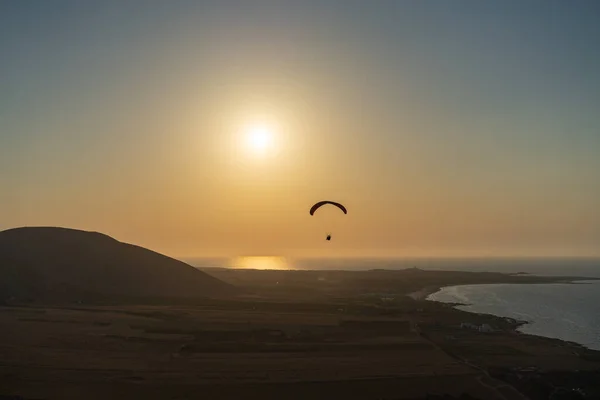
440	141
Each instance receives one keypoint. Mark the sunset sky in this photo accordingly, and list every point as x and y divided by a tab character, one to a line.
209	128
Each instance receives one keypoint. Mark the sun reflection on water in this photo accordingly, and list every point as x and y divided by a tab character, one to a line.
260	262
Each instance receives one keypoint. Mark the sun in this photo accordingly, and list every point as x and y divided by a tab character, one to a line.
259	139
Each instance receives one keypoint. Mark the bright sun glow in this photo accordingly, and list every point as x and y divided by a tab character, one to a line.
260	262
259	139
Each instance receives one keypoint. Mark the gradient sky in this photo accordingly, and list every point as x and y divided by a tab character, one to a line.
447	127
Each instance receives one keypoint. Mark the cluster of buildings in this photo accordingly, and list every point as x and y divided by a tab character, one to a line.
480	328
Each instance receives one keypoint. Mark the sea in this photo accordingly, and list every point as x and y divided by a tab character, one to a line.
566	311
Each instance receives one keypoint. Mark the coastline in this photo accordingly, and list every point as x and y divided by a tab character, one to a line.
426	294
423	294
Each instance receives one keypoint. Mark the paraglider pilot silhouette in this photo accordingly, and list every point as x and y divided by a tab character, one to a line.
318	205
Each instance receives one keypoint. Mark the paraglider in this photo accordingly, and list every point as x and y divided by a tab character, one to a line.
318	205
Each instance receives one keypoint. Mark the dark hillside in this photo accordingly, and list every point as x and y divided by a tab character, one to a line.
67	264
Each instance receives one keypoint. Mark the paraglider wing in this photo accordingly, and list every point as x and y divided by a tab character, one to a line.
322	203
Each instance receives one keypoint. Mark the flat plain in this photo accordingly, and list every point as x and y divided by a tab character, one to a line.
265	346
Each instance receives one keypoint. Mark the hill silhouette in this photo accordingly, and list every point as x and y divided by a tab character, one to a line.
47	263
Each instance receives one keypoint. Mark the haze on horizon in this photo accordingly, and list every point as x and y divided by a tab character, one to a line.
199	128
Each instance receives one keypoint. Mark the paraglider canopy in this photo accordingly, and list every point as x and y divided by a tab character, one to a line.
316	206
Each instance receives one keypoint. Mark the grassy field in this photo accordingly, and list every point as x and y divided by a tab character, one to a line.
187	352
266	347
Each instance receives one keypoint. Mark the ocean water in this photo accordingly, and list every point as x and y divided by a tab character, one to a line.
563	311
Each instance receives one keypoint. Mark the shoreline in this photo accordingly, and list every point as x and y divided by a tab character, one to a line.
425	294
